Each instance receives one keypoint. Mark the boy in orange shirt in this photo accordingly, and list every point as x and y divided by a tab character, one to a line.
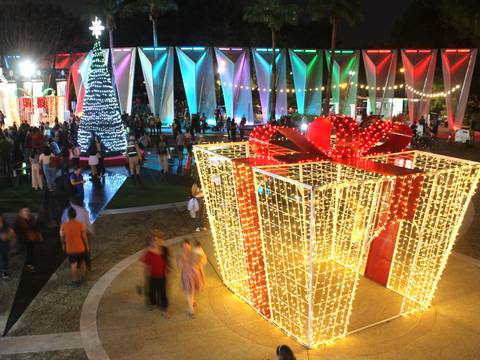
75	244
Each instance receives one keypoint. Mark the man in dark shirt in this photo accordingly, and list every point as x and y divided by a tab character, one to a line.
76	179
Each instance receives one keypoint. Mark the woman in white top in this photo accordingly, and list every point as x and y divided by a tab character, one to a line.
49	171
37	178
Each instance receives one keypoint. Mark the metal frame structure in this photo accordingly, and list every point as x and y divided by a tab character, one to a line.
292	240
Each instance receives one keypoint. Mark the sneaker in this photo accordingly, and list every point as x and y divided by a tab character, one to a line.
197	229
191	315
204	229
5	275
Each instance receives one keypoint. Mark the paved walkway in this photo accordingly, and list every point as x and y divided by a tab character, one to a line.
114	324
106	318
226	328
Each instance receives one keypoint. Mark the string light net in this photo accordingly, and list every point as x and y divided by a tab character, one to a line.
101	111
292	240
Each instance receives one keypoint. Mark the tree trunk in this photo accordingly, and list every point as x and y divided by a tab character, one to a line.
110	38
273	94
154	30
326	102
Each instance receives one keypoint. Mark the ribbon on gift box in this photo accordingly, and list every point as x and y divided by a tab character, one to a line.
339	139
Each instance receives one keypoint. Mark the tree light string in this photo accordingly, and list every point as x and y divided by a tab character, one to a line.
101	111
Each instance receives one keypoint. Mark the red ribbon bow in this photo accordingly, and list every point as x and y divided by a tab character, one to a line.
349	140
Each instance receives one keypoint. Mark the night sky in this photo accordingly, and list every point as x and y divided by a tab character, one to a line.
379	18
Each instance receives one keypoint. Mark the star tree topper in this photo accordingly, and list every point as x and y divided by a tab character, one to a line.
97	27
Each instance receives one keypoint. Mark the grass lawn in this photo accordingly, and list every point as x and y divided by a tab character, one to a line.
148	193
12	198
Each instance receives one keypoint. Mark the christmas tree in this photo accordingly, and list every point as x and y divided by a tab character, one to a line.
101	111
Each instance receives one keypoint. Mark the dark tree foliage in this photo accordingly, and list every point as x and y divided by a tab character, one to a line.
425	25
37	29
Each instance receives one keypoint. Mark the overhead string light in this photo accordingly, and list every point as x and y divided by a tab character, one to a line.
345	86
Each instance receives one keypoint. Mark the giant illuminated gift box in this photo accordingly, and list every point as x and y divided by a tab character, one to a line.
296	220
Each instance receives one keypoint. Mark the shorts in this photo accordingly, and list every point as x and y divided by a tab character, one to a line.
93	160
76	258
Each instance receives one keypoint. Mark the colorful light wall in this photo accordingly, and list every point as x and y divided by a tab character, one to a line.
233	67
157	68
419	68
380	70
307	70
263	59
124	72
344	80
458	66
196	66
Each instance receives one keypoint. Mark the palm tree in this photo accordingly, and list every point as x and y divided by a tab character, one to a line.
274	14
154	8
335	11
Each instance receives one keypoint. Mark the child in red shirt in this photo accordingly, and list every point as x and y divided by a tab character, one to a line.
155	259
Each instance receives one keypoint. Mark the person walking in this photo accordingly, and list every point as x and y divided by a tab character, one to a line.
37	177
101	155
180	145
28	235
6	236
200	260
75	243
197	193
75	154
64	155
76	180
84	217
155	259
243	123
47	163
193	208
188	276
93	158
188	141
163	155
134	156
233	130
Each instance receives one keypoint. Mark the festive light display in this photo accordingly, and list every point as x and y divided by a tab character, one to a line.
380	70
307	70
345	71
101	111
263	60
233	67
196	66
124	71
458	66
419	68
157	68
297	220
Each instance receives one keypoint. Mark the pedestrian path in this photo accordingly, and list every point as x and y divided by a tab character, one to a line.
227	328
115	324
23	286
